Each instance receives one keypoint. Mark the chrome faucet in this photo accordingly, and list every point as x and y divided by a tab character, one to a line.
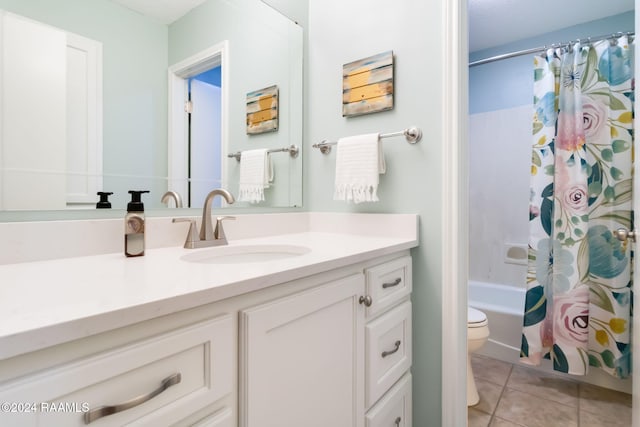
207	236
206	232
172	195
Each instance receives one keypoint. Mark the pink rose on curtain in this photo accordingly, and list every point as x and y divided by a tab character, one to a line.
571	317
570	131
594	119
573	196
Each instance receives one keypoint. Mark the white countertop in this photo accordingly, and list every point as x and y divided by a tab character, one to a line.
44	303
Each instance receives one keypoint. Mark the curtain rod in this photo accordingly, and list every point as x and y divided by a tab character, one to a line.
544	48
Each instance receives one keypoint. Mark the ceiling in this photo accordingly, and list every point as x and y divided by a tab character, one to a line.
165	11
492	23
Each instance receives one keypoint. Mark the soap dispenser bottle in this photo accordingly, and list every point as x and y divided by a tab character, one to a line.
134	225
104	202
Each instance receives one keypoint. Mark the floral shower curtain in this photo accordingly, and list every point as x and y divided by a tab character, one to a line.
579	291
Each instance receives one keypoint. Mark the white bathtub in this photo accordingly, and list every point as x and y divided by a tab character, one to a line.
504	307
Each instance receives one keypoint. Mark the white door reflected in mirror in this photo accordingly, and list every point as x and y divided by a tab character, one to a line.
52	139
205	140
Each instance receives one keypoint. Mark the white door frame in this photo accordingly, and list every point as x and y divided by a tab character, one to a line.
217	55
455	242
635	362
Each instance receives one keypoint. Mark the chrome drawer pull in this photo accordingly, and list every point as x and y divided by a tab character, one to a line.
104	411
390	352
392	284
397	421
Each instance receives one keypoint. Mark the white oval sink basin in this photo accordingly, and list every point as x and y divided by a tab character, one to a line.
244	254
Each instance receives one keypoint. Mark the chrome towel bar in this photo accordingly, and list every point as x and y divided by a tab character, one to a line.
412	134
293	151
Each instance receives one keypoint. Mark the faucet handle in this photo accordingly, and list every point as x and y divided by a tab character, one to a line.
192	235
218	233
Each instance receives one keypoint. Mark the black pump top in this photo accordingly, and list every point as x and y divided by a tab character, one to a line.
104	200
136	205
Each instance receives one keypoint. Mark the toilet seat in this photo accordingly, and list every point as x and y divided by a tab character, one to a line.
475	318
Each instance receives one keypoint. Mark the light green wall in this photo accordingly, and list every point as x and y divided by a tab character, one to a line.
344	31
134	85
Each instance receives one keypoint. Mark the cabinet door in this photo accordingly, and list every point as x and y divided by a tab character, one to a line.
302	359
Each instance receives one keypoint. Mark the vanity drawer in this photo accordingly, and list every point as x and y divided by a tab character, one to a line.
223	418
394	409
178	373
387	284
388	351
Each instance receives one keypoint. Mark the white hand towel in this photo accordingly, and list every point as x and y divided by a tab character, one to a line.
255	174
359	162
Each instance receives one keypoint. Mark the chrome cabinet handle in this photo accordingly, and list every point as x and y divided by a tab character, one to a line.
392	284
366	300
390	352
104	411
397	421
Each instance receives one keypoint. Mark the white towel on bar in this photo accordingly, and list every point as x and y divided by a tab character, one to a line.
359	162
255	175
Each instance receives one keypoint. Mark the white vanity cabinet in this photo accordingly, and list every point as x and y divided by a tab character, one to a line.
332	348
312	359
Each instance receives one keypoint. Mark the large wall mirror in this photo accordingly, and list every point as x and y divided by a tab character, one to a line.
96	117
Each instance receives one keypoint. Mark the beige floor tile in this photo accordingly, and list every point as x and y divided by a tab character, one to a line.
532	411
477	418
595	420
489	396
499	422
492	370
533	398
605	403
543	385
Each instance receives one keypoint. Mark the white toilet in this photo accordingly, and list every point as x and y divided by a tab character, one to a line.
477	335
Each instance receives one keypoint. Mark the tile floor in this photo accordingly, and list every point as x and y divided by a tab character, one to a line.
517	396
